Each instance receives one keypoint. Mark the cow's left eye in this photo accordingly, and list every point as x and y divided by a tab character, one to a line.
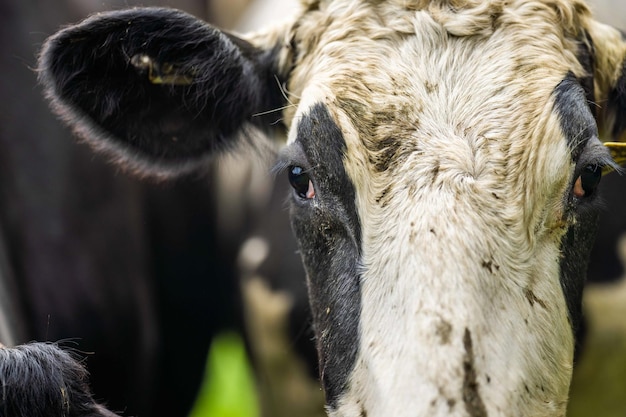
301	182
587	183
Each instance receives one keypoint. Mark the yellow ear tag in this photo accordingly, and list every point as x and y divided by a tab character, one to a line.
618	152
165	73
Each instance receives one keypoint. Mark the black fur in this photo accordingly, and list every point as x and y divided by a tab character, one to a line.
580	130
329	237
576	246
91	74
577	122
42	380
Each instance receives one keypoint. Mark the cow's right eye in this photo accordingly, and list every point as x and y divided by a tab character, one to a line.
590	178
301	182
588	181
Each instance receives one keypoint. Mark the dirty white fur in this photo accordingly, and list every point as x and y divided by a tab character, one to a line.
462	311
463	249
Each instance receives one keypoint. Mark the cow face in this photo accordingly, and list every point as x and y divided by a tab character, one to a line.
444	158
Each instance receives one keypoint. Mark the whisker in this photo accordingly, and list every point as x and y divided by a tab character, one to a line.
284	92
593	103
273	110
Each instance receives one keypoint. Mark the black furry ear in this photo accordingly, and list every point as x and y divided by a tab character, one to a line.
42	380
157	88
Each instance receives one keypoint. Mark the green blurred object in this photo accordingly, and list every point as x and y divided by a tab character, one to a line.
228	389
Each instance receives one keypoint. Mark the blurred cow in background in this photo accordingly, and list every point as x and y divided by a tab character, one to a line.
129	273
138	276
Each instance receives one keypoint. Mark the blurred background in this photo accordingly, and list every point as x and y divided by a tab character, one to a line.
146	279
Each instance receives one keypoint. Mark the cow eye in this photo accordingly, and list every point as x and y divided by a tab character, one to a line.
587	183
301	182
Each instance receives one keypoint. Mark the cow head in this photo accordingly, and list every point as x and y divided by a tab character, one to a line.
444	158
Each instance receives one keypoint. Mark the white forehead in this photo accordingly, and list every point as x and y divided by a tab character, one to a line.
390	50
473	88
356	39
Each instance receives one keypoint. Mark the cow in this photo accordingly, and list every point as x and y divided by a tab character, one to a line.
445	159
107	265
123	270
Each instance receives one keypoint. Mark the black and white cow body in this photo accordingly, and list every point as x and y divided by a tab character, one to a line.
444	158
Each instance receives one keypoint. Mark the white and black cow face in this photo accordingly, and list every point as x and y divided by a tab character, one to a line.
444	158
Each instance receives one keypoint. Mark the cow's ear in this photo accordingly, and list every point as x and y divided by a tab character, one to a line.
159	90
608	49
